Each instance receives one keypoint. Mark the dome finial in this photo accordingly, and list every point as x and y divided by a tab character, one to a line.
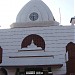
35	0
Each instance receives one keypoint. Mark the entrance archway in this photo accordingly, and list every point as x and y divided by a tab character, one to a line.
3	71
70	64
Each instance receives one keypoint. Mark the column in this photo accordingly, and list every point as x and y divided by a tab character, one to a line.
45	71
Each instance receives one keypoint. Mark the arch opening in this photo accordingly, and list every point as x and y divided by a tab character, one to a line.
70	64
3	71
37	40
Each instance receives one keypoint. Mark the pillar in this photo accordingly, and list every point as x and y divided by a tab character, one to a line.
45	71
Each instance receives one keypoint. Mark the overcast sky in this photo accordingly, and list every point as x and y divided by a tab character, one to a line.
10	8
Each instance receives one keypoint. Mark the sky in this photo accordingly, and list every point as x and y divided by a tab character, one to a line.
10	8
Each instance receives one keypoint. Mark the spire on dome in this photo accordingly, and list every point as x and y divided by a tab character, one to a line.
35	0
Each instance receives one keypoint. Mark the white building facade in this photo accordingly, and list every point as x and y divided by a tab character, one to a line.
35	41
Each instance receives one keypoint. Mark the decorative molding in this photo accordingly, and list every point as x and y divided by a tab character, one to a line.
30	50
30	66
34	24
31	56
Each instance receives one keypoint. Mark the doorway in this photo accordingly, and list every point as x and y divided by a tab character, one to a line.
3	71
70	64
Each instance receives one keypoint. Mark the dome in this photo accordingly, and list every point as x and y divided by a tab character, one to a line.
34	14
34	11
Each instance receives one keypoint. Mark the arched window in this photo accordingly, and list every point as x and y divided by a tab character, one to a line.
37	40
